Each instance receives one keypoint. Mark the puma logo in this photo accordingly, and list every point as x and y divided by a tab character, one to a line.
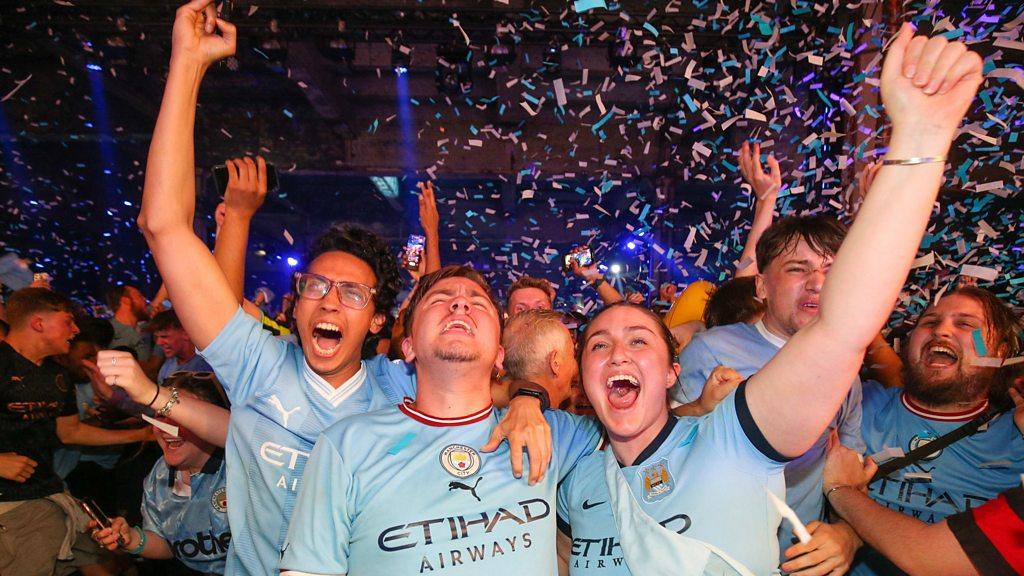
456	485
285	414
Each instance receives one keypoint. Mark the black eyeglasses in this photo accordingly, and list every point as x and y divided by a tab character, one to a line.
352	294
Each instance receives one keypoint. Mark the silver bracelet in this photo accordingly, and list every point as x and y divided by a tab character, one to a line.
834	488
171	402
913	161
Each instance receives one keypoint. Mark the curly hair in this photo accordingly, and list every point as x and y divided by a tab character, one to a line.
369	248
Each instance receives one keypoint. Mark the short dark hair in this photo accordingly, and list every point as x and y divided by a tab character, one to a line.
427	283
666	335
732	302
164	320
824	234
531	282
28	301
114	295
369	248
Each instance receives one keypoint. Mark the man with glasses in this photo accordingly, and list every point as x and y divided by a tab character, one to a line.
282	395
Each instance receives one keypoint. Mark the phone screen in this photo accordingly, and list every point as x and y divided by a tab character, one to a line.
583	256
413	253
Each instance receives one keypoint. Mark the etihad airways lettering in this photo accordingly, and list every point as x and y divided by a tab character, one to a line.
604	547
426	532
283	457
922	495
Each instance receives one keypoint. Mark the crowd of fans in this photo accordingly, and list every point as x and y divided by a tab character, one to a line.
342	432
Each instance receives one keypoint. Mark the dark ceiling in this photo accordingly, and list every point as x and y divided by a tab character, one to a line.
641	143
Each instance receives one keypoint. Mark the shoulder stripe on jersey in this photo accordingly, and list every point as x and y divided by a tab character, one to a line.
923	412
407	408
750	428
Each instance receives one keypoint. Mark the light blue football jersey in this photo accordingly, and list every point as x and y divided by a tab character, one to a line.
279	407
703	477
746	348
399	492
961	476
194	525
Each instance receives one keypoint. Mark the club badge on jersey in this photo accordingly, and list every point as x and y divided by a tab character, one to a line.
219	500
658	482
460	460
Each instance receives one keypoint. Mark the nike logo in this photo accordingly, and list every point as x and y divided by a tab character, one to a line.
587	505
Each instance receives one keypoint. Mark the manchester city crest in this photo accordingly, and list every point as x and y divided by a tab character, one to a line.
921	439
657	481
219	500
460	460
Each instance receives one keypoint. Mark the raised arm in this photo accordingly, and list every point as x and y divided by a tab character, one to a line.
593	276
766	187
201	295
207	421
245	193
430	220
815	368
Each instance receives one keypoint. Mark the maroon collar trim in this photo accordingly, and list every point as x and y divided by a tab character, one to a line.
407	408
923	412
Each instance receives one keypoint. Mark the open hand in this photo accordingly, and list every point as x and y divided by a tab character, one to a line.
844	467
524	426
765	184
429	217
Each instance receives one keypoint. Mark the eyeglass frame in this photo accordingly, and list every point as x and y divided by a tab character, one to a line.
333	285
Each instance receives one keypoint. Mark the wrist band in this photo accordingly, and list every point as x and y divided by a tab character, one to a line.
142	542
539	393
913	161
171	402
595	283
834	488
155	396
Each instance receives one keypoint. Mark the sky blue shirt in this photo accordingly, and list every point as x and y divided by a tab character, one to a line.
195	524
964	475
171	365
421	498
279	407
746	348
703	477
66	458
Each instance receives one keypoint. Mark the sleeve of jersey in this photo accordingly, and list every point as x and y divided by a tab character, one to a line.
318	536
150	503
992	535
696	362
739	441
396	378
562	506
241	353
850	419
572	438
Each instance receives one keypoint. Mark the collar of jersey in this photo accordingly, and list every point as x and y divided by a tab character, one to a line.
334	396
407	408
771	338
923	412
211	467
655	444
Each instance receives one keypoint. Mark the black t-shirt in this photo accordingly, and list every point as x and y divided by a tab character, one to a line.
31	399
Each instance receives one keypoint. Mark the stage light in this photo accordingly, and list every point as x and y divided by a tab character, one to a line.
401	70
615	268
94	67
292	262
631	245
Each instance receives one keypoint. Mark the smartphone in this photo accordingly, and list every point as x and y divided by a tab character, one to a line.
220	178
583	256
93	511
412	254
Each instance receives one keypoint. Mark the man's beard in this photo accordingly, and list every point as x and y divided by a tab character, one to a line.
456	354
960	387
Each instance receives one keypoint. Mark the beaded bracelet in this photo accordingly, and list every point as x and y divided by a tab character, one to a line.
171	402
142	542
